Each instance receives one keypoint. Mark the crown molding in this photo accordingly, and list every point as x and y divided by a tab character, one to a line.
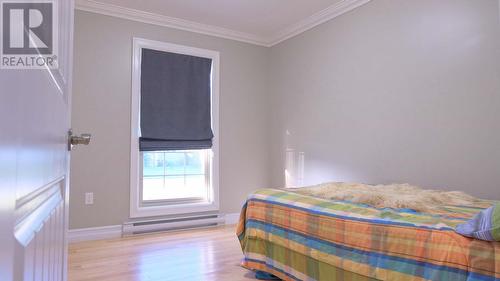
131	14
161	20
316	19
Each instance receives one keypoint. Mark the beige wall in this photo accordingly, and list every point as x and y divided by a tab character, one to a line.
394	91
101	106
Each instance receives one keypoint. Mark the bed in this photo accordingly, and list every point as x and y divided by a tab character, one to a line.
297	237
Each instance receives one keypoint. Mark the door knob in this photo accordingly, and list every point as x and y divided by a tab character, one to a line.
73	140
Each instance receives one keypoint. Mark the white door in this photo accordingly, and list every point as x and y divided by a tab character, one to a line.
34	176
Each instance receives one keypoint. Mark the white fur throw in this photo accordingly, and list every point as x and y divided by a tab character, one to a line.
389	196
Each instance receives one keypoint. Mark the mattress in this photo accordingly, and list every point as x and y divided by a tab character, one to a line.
299	237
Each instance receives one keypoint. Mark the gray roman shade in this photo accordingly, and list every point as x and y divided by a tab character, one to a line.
175	101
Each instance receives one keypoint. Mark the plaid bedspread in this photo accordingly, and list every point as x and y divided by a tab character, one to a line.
298	237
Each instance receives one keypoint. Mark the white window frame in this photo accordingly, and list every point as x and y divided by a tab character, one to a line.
212	205
207	163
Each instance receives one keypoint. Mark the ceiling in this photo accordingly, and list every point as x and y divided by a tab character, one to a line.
263	21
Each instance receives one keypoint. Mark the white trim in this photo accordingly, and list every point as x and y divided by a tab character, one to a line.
232	218
116	231
316	19
161	20
94	233
137	211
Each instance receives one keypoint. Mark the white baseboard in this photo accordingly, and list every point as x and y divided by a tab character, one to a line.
231	218
94	233
115	231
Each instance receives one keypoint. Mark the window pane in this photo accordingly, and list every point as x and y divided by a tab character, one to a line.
153	164
196	186
194	163
170	175
174	163
161	188
152	187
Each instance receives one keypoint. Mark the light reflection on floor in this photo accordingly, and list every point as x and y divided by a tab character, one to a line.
181	261
204	255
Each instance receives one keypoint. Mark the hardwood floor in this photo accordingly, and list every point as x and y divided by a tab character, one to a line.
211	254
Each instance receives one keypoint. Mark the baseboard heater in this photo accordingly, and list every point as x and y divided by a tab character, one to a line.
148	226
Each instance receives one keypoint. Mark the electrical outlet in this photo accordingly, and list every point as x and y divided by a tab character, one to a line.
89	198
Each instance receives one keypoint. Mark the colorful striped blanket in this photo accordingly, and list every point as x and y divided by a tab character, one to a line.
297	237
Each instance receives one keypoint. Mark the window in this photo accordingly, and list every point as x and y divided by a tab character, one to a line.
178	175
174	158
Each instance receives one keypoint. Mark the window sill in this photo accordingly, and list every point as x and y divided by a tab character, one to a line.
173	209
